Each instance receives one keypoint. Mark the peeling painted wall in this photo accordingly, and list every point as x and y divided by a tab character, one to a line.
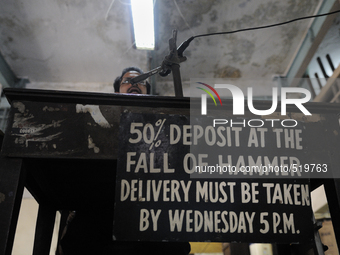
75	41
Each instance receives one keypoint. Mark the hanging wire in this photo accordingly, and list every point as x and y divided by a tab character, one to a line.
108	10
180	13
267	26
110	7
186	43
125	3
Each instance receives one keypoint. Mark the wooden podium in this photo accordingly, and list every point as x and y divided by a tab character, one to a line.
63	147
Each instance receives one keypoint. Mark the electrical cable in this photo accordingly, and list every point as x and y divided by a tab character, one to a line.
186	43
268	26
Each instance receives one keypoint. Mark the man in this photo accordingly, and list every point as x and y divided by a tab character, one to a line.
122	83
89	231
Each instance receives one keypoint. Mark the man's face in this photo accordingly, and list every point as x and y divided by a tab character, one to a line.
126	87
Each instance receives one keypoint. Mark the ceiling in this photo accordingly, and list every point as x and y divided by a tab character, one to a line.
84	44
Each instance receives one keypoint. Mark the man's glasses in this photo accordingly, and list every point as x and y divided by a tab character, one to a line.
128	81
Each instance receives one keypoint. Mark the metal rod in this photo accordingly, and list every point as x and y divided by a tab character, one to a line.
322	67
330	62
176	75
